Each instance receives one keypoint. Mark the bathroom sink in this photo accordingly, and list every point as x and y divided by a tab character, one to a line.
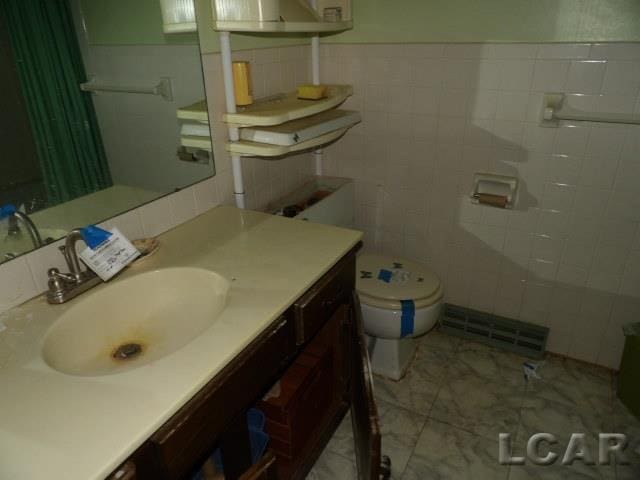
135	321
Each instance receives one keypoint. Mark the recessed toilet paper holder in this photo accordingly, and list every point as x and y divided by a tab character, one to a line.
494	190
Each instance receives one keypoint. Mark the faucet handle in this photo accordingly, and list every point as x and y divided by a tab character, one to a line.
54	273
55	282
65	253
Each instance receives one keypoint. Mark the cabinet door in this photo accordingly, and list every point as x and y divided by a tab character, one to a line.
265	469
364	413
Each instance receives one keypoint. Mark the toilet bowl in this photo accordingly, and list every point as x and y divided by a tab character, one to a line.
400	300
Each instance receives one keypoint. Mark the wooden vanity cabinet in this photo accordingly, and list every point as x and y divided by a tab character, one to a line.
321	336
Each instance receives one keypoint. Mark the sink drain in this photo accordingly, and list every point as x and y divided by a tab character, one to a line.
127	351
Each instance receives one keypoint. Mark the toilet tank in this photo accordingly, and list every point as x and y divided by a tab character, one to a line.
337	208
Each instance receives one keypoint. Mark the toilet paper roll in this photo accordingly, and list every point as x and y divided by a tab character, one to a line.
495	190
490	187
500	201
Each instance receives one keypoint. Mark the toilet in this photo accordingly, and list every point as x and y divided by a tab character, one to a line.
400	300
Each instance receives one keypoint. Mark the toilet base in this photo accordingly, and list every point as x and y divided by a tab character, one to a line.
391	357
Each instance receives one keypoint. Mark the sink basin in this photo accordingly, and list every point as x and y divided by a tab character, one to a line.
135	321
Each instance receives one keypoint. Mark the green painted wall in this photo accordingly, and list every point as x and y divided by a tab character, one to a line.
128	22
138	22
407	21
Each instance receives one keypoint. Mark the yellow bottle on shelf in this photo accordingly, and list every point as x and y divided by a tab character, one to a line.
242	83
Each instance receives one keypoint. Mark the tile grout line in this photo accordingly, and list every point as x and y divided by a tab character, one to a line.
428	417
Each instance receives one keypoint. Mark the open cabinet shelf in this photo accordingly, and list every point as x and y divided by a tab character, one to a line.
286	107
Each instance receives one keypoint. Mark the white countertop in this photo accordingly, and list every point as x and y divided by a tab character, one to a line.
58	426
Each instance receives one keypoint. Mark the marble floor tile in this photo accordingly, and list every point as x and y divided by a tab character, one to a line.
574	383
625	422
476	405
399	428
559	472
488	363
433	362
435	339
342	440
442	420
447	453
331	466
543	415
418	388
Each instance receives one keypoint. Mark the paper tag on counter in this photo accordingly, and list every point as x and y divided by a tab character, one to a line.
111	256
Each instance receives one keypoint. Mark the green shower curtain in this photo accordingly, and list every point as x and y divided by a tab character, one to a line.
62	117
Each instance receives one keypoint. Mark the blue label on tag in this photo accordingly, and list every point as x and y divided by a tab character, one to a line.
385	275
94	236
7	211
407	323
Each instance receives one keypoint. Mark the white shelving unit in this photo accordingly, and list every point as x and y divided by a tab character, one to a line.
290	124
197	114
286	107
303	129
247	148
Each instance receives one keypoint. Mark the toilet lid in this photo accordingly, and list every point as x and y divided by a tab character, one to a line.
385	281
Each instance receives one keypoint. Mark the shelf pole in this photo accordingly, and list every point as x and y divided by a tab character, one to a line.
315	77
234	133
315	59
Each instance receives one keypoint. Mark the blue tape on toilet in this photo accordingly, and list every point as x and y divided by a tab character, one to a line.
407	323
385	275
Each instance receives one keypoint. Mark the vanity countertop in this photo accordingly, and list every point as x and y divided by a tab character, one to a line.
58	426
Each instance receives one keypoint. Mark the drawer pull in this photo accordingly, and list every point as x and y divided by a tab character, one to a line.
329	303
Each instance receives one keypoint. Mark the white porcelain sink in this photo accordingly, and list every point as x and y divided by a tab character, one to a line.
135	321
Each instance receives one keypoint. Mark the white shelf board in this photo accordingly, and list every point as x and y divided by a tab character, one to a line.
184	27
303	129
266	27
197	111
193	141
254	149
286	107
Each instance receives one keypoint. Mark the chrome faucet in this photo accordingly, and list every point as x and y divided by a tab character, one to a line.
65	286
14	228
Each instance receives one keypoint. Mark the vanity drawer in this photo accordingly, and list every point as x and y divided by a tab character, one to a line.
315	307
192	432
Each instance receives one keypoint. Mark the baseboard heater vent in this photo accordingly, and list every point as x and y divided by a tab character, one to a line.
506	333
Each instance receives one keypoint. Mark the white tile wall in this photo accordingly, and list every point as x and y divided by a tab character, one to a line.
569	256
26	277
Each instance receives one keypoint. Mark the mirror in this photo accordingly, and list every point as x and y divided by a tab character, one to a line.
93	118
